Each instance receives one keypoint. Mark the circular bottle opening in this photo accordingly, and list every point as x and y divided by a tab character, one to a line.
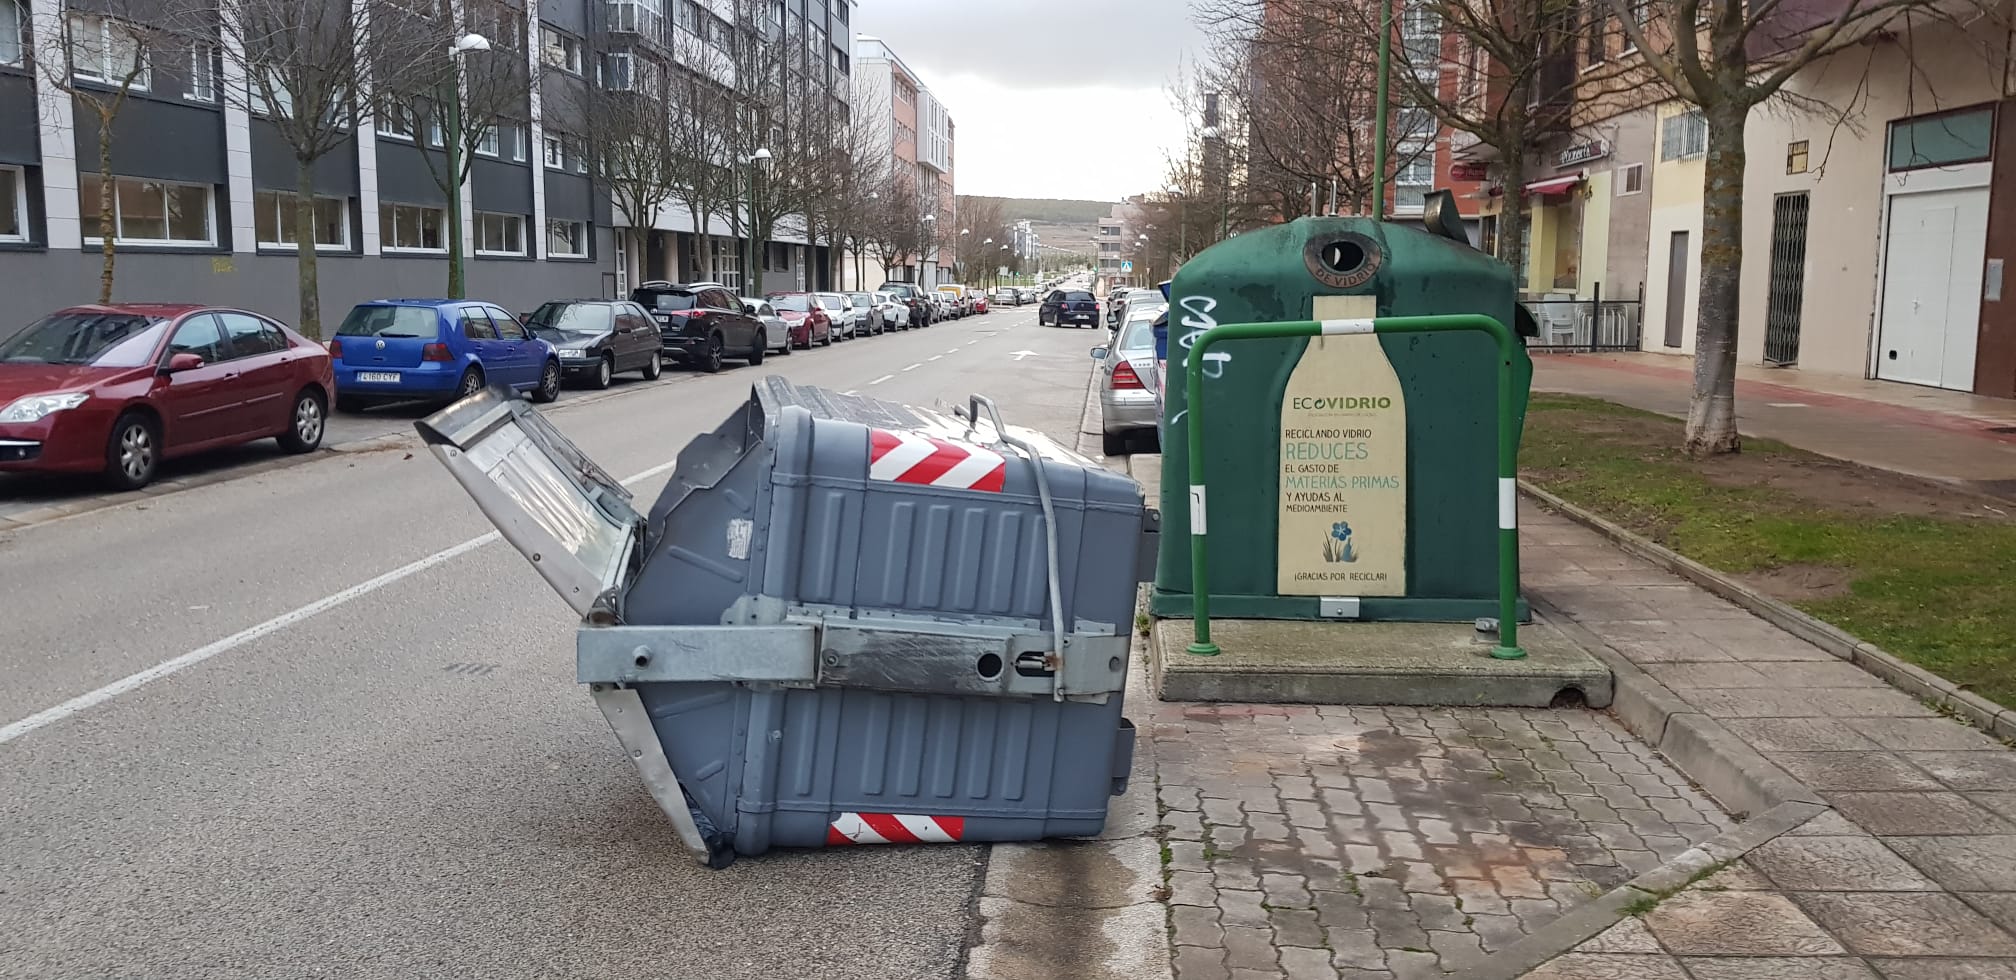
989	665
1343	257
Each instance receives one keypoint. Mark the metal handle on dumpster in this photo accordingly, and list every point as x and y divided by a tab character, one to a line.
1049	527
1508	438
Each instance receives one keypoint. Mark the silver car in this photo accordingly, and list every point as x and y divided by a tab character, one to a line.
1127	380
776	333
840	310
895	315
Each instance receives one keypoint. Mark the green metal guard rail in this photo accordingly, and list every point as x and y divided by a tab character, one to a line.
1508	448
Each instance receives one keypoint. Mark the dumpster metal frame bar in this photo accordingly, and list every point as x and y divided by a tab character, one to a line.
1508	449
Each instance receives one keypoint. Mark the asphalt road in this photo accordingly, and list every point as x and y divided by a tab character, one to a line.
309	723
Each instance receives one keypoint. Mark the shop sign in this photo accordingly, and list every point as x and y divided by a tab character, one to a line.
1582	153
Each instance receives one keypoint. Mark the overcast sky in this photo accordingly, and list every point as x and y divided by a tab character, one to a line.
1009	70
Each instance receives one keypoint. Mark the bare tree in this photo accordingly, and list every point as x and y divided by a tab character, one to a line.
976	249
444	90
299	66
1726	59
97	58
628	134
700	110
894	225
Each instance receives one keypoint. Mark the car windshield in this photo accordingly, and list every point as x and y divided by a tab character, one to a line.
1139	335
753	306
861	299
791	304
99	339
391	321
1076	296
663	300
827	302
559	321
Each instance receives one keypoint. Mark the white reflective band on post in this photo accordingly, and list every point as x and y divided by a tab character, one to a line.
1508	503
1196	508
1355	325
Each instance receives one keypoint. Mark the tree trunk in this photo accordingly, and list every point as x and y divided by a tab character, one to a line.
1511	246
1711	416
107	229
307	273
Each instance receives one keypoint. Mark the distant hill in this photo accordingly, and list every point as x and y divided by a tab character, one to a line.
1050	211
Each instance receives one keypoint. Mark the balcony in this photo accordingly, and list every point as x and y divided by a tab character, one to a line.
644	18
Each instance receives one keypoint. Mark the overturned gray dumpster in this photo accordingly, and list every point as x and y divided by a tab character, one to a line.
844	621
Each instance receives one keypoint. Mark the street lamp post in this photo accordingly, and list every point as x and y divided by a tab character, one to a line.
752	278
1224	179
452	103
930	235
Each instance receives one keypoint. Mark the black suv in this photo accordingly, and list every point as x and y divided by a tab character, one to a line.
700	325
1064	306
922	310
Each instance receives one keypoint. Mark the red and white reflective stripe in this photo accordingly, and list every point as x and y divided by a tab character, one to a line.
908	457
894	828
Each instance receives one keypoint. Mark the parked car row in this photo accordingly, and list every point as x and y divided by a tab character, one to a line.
1129	378
118	389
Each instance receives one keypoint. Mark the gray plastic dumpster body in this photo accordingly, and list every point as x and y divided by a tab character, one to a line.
837	623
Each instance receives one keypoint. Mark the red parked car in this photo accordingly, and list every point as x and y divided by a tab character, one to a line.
809	324
117	389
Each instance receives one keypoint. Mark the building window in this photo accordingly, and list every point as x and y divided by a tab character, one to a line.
1796	153
555	152
486	141
1596	33
106	51
1631	179
500	234
1413	124
411	228
1412	181
1641	14
11	17
1942	140
1683	136
148	212
515	135
396	121
1568	243
558	50
274	98
434	137
202	73
1421	34
273	219
14	202
566	239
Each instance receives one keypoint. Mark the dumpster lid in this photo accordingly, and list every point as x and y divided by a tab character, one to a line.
572	519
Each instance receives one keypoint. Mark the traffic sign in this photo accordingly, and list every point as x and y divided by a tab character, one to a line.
1126	267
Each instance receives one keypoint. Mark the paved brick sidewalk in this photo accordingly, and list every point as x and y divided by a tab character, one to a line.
1913	877
1365	842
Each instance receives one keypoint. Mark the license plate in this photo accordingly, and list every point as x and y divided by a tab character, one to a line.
386	376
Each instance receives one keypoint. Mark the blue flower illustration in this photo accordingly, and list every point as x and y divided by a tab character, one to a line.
1338	547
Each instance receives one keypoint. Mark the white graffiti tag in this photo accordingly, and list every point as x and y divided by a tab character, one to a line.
1196	319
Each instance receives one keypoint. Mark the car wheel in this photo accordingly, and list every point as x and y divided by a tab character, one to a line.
787	345
349	403
304	433
133	453
654	367
472	382
829	338
549	384
710	358
757	350
605	372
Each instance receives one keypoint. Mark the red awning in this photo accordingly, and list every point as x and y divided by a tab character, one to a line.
1555	185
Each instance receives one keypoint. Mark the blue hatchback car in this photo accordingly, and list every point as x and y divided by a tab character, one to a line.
437	350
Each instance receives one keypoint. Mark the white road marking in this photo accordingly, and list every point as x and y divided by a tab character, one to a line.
971	343
881	379
1788	405
935	357
851	391
913	367
131	682
953	350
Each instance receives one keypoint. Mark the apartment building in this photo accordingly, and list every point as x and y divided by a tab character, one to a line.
1119	235
204	186
894	108
1874	232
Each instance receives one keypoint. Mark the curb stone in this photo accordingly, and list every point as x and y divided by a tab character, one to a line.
1909	678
